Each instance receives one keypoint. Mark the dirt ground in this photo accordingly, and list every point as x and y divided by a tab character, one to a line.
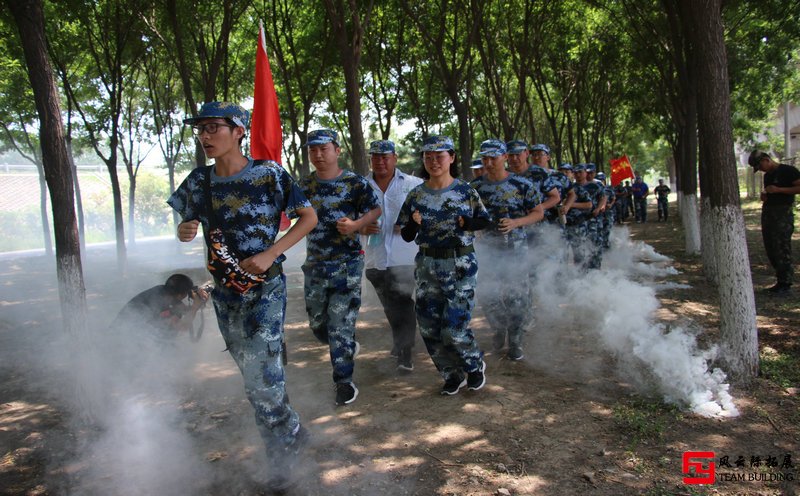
534	429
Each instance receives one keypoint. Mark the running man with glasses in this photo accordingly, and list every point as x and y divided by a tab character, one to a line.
245	202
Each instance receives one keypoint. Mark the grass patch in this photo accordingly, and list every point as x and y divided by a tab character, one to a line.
781	368
643	420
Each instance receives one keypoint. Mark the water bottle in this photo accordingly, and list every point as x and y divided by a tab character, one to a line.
377	238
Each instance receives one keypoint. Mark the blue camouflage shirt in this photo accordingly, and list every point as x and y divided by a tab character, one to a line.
348	195
513	197
541	179
247	206
582	195
440	209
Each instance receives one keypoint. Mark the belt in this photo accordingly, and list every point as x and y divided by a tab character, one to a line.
447	252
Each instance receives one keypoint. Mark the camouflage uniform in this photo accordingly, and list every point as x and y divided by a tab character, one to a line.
333	265
594	225
445	289
609	217
505	296
576	231
251	323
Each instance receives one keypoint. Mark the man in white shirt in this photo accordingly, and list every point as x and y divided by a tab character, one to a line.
389	260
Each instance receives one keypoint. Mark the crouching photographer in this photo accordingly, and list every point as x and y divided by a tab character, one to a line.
161	309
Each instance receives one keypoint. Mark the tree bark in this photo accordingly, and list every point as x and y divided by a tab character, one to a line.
737	304
29	18
350	42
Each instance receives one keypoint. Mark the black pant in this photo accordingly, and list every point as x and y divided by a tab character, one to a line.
395	289
777	226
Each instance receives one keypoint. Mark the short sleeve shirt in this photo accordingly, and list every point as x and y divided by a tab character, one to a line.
348	195
662	191
784	176
440	209
247	206
639	190
541	179
512	197
582	195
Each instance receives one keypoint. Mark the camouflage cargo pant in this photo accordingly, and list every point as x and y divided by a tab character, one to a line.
445	295
333	298
608	222
577	239
504	294
777	226
252	327
594	236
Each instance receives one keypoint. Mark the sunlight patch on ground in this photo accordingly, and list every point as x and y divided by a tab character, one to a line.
449	433
21	411
392	463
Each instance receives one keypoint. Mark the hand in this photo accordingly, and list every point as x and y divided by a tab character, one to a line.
188	230
260	263
460	221
199	297
417	217
372	228
506	225
346	226
596	212
763	196
772	189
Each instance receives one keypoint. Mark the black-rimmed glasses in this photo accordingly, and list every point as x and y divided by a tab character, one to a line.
210	128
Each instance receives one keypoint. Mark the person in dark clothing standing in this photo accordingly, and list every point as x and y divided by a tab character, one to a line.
662	192
781	183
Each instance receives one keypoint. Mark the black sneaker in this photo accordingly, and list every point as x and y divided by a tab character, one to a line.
779	288
453	385
404	363
346	393
476	380
395	353
515	353
356	350
499	340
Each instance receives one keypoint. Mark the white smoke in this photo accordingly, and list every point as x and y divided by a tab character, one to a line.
615	309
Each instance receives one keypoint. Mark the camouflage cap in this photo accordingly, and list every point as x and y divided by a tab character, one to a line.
381	147
476	164
492	148
565	166
321	137
579	168
437	144
516	146
222	110
601	176
540	148
590	167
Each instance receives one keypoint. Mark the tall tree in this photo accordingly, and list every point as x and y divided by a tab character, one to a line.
349	22
448	30
29	18
198	34
298	45
718	164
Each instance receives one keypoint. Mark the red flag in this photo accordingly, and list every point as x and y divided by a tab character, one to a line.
620	170
266	135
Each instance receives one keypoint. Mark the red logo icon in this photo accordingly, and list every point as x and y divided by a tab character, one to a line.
694	468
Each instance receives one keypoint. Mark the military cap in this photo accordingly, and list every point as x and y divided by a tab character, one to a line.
222	110
322	136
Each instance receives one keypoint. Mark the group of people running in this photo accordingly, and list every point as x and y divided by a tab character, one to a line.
417	239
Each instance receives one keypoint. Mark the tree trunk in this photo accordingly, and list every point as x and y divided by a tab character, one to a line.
48	240
29	18
464	137
353	103
78	197
737	304
132	211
